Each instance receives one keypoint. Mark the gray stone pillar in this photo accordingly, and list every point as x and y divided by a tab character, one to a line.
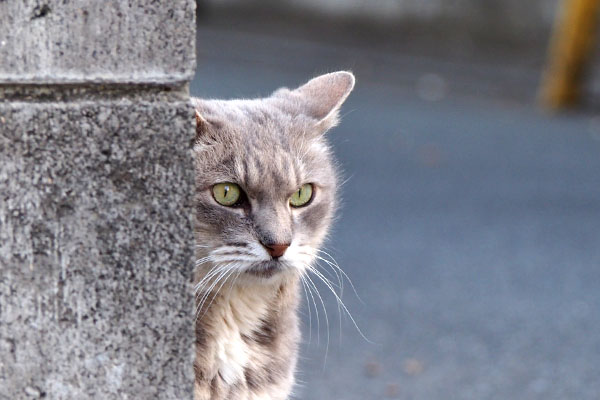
96	243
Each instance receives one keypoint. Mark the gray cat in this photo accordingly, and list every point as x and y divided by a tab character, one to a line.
265	196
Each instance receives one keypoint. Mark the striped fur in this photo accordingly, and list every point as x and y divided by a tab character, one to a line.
246	318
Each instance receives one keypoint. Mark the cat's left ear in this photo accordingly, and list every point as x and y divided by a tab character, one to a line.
320	98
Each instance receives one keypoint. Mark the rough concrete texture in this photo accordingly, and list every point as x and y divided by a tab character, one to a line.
95	250
46	41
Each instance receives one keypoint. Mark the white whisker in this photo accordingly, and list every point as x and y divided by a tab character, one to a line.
208	276
233	283
316	310
336	269
307	306
225	271
335	265
341	303
340	286
231	272
326	318
202	260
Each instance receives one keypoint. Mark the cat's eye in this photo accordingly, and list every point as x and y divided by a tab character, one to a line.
227	194
302	196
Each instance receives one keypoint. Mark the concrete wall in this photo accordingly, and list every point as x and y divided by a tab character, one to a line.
95	187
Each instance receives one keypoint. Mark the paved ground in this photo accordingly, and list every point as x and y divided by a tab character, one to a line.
470	226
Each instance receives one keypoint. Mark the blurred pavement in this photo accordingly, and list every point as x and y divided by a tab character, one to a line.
470	223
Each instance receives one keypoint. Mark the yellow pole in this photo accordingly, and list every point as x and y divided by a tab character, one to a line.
570	48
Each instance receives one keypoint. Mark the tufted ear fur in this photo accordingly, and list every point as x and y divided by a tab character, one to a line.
201	125
206	122
320	98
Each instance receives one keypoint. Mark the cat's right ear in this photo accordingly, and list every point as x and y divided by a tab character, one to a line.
201	126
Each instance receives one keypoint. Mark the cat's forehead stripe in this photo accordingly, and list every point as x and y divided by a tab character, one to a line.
279	172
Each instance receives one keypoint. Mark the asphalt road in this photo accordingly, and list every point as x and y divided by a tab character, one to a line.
470	225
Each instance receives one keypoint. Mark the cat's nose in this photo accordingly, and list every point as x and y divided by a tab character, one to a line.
276	250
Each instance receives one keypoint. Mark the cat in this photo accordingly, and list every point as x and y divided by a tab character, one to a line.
266	192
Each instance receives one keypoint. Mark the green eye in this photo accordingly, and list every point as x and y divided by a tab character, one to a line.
303	196
226	193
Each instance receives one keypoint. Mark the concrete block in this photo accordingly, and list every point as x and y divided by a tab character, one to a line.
56	41
96	250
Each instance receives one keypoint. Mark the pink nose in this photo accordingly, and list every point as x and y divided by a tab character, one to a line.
276	250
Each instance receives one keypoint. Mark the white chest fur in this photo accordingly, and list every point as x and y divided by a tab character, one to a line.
238	315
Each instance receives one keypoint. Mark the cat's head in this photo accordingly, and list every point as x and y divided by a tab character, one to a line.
266	186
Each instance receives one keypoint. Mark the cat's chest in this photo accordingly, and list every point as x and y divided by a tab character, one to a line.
232	356
235	351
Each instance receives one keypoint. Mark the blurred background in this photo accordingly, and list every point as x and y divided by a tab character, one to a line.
470	223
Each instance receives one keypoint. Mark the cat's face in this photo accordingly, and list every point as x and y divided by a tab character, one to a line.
266	187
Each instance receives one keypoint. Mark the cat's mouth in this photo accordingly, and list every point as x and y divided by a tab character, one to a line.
267	269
